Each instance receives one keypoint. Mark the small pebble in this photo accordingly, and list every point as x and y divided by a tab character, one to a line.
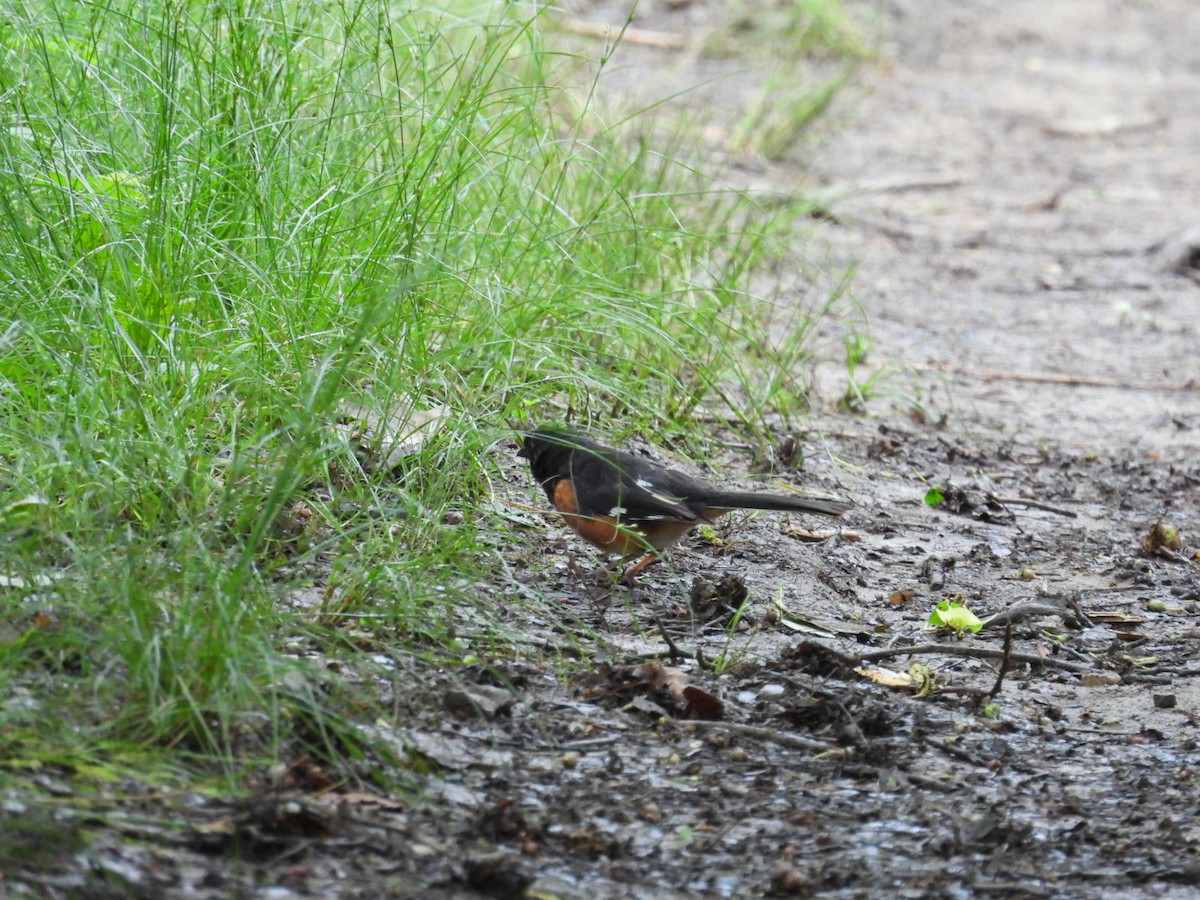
569	760
650	812
1164	701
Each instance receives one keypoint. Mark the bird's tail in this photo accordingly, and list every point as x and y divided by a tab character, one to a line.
777	502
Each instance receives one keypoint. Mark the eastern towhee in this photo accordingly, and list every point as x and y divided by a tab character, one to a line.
628	505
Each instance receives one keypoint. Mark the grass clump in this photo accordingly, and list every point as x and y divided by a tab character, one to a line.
221	223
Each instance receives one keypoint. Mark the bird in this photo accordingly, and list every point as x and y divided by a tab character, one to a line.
627	505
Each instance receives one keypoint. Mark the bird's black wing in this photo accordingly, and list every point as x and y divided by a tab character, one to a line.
626	487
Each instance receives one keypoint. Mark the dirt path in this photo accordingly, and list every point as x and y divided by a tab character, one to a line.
1005	180
1002	178
999	179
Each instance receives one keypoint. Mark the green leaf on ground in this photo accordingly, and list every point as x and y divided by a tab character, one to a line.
954	614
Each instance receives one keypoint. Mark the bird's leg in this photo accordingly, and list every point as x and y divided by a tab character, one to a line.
631	574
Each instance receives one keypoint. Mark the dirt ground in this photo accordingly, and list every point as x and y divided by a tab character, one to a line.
1015	183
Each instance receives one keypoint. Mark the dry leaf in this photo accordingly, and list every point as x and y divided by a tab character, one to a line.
696	701
886	677
385	440
1113	617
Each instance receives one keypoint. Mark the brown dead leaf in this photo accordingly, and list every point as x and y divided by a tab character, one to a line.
702	704
902	596
662	678
666	679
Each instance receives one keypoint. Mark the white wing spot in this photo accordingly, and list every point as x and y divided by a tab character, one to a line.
617	511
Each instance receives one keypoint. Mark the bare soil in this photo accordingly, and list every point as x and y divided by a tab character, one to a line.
1015	183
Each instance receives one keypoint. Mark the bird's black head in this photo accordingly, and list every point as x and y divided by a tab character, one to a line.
548	448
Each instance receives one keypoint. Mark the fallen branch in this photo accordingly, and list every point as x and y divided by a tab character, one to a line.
1027	610
1038	504
972	652
1138	678
1007	661
1191	672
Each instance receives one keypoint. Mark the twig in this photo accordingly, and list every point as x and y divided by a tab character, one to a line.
1026	610
1051	378
1038	504
894	184
673	650
977	653
953	750
1179	673
1071	651
1079	613
1170	555
1007	659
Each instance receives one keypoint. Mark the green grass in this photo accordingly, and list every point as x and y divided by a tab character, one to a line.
805	50
221	222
